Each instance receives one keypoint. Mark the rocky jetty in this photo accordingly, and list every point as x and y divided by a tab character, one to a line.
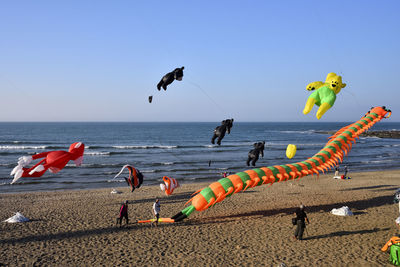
380	134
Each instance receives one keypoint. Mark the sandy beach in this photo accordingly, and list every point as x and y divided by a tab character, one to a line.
77	228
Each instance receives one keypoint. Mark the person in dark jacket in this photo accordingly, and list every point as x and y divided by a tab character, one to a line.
301	217
123	213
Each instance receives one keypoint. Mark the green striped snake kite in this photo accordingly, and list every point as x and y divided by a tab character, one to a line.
328	157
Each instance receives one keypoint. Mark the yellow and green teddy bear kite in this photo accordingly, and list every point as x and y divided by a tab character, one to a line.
324	95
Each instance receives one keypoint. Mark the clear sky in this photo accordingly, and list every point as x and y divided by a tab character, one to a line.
250	60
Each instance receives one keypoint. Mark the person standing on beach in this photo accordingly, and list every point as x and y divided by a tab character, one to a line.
301	216
337	171
345	171
123	213
156	211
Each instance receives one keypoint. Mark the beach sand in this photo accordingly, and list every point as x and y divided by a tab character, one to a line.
77	228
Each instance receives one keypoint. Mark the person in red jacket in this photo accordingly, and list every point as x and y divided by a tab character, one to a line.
123	213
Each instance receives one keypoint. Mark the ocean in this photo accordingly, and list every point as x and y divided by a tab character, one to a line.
179	150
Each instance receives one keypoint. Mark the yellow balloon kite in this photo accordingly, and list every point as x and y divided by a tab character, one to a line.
291	151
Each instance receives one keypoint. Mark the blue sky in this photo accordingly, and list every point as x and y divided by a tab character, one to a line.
250	60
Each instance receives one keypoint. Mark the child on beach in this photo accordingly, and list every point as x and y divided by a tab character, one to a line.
156	211
123	213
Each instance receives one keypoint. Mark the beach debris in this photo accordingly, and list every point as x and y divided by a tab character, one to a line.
327	158
342	177
114	191
167	79
53	160
169	185
17	218
291	151
343	211
135	178
324	95
220	131
254	153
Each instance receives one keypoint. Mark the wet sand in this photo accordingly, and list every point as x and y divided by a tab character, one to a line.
77	228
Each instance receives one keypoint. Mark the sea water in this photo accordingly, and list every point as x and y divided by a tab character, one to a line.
179	150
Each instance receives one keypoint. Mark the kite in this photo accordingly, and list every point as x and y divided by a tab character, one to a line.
165	220
53	160
324	95
135	178
168	78
150	98
220	131
328	157
291	151
254	153
169	185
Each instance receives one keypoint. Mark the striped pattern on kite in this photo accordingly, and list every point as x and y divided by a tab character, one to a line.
328	157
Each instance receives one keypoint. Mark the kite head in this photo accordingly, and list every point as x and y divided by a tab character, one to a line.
178	74
334	82
77	149
381	111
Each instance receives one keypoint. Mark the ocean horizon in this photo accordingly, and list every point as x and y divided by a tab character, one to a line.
181	150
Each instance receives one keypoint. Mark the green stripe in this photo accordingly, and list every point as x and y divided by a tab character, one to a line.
354	129
188	210
349	133
287	169
315	161
244	176
332	148
338	143
299	168
374	114
326	153
344	138
307	164
320	157
207	193
260	174
275	171
359	124
226	184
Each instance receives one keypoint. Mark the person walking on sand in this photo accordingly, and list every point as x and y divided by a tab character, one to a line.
301	217
156	211
123	213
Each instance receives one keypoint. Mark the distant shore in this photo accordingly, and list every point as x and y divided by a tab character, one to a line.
380	134
250	228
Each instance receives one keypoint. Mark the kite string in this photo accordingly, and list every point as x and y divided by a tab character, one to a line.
205	93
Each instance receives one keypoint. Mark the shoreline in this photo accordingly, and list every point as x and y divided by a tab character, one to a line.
74	227
156	184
